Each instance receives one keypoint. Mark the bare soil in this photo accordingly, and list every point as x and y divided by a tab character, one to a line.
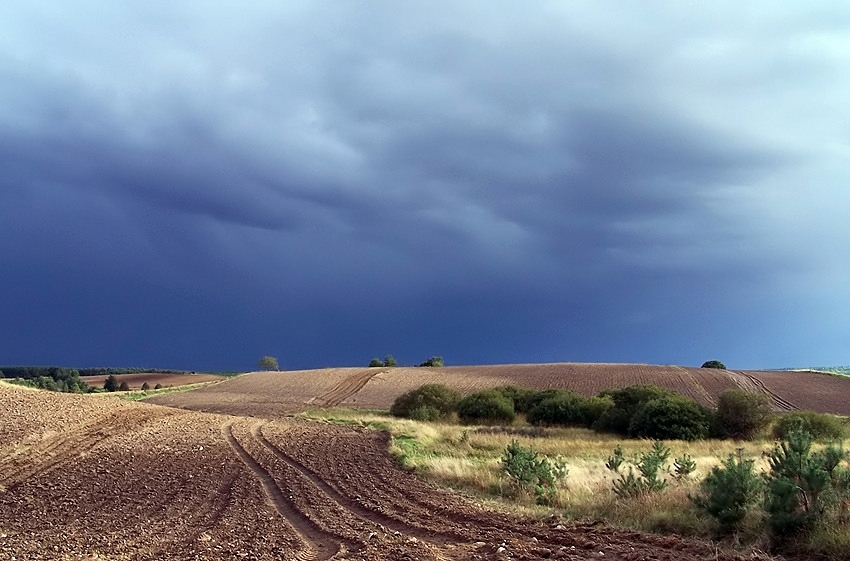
96	478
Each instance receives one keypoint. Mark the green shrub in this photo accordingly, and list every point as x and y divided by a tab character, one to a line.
389	360
805	488
522	398
434	362
683	467
562	407
743	415
651	469
489	406
425	413
268	363
595	407
528	470
729	491
111	384
821	426
671	418
612	420
436	396
626	403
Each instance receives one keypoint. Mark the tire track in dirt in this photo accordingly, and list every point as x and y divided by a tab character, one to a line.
700	389
345	462
369	515
751	383
360	469
318	545
347	388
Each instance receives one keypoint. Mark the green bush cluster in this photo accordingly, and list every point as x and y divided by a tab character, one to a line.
389	361
820	426
802	491
430	402
489	406
638	411
671	418
434	362
713	364
742	415
53	378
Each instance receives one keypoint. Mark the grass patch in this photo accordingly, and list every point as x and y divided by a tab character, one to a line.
139	395
468	458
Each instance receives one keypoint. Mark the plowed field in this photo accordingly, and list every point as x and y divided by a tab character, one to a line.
273	394
135	381
95	478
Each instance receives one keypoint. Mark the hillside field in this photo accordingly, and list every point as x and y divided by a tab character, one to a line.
272	394
225	472
92	477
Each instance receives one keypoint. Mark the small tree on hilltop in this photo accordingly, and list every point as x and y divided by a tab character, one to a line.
390	360
434	361
713	364
268	363
376	363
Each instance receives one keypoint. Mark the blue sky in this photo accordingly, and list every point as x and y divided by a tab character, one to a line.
197	185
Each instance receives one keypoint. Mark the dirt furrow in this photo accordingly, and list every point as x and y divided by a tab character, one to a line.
340	456
420	503
319	546
47	454
707	398
374	516
347	388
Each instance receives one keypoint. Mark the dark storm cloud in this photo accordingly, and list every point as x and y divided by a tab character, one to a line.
460	176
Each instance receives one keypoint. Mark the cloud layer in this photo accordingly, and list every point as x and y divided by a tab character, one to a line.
197	185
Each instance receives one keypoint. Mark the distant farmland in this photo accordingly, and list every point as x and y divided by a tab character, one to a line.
276	393
135	381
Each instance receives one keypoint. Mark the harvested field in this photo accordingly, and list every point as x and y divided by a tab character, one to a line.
134	481
273	394
135	381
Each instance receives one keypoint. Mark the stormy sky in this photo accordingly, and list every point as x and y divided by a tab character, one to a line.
194	185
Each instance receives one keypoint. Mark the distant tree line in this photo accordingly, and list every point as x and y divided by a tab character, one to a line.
63	379
389	361
116	371
54	378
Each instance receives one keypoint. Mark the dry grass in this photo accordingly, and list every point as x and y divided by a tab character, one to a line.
469	459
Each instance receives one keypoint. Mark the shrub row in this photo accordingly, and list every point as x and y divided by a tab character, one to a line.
639	411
